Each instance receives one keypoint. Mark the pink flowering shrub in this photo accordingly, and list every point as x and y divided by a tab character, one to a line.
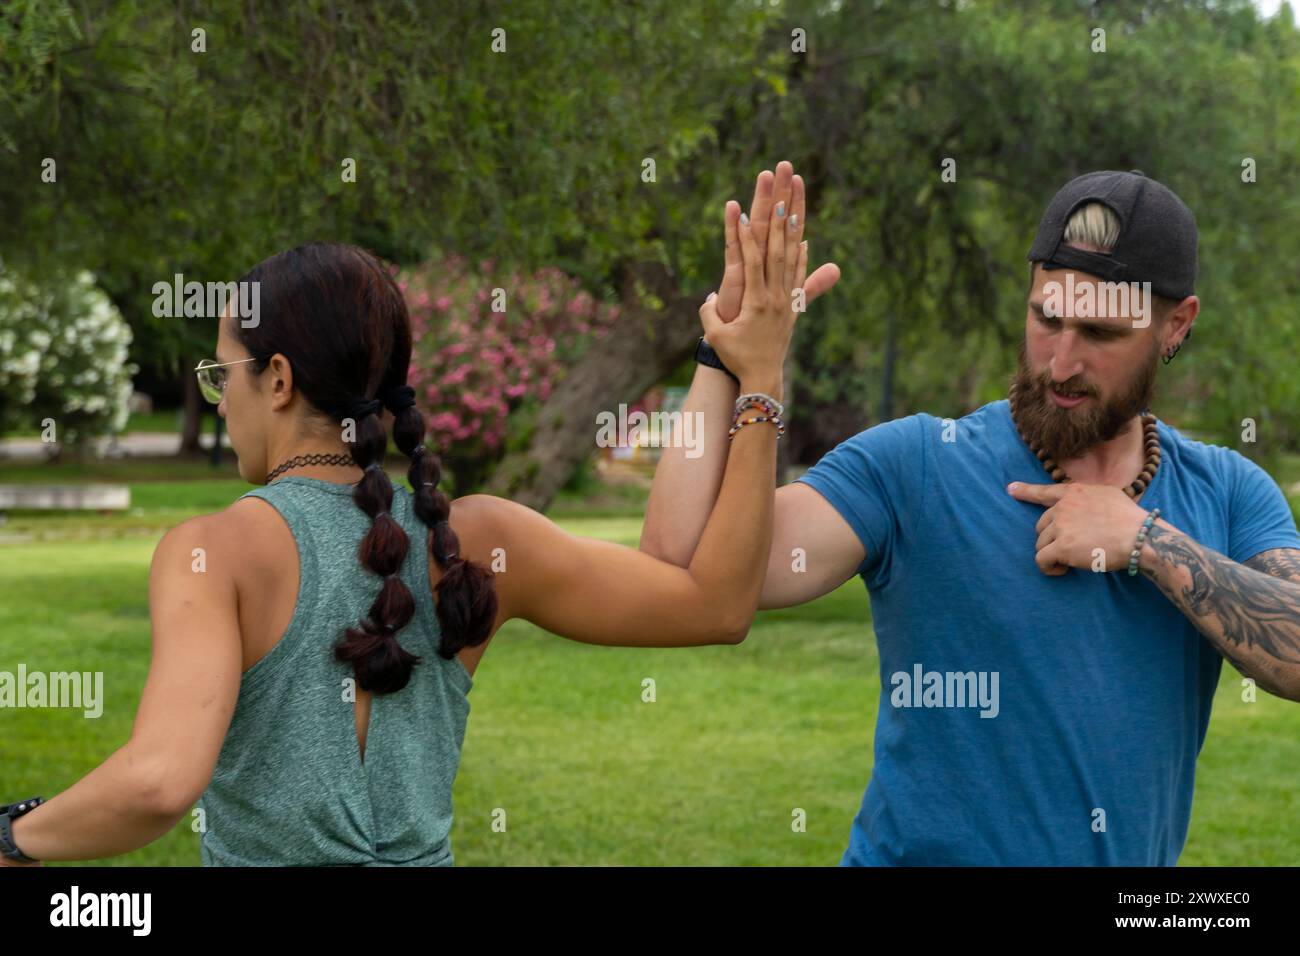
480	373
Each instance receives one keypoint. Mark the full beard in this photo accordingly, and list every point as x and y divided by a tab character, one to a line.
1067	433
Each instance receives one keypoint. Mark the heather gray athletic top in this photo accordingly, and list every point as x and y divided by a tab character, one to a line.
290	788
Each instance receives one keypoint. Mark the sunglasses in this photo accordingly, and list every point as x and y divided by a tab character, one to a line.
212	378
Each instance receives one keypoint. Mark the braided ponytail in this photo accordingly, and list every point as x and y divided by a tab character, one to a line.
466	597
380	663
337	314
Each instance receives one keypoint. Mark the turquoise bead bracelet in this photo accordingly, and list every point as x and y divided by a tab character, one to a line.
1152	515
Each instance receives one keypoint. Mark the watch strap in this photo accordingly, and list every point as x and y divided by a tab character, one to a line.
9	813
705	355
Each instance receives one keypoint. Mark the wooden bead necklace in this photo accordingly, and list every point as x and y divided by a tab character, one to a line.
1150	445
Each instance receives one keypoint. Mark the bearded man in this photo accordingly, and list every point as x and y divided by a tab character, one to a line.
1055	578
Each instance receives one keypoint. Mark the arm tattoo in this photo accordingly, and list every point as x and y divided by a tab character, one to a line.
1280	563
1247	611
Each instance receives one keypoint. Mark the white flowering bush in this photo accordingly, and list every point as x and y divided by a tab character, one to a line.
63	350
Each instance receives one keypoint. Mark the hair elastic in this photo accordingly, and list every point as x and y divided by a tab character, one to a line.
399	398
362	407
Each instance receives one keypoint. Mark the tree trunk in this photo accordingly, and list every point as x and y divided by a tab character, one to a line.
647	345
887	373
193	414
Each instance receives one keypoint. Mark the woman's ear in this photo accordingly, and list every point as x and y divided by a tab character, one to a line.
279	377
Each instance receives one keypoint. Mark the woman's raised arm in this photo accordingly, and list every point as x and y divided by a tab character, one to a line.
602	593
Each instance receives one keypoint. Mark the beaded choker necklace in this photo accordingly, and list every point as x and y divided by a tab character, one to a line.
1150	445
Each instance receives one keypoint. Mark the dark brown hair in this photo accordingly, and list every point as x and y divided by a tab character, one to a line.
336	314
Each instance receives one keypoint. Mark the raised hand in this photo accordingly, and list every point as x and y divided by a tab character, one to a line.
785	187
754	344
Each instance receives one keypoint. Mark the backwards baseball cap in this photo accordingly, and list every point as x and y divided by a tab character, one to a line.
1157	235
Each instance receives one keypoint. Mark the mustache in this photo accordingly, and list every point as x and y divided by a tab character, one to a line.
1045	384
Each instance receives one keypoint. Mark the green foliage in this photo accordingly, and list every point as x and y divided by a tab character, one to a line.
1014	93
204	163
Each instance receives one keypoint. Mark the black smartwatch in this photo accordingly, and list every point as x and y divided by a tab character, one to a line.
705	355
8	814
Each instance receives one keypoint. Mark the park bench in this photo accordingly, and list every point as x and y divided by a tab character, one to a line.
88	497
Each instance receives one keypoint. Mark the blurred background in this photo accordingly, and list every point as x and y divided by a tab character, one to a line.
578	154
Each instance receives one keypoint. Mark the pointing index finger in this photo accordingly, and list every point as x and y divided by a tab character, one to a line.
1036	494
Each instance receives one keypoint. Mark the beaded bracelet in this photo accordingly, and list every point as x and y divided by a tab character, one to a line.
769	404
775	420
1142	536
755	405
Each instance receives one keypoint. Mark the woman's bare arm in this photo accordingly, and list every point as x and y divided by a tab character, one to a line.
148	784
601	593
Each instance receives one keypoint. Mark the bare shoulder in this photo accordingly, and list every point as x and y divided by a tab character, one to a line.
473	513
512	541
251	524
485	523
206	532
478	521
196	561
247	538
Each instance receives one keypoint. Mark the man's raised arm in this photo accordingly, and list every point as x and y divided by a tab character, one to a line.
685	488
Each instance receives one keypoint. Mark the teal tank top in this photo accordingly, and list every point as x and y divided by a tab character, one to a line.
290	787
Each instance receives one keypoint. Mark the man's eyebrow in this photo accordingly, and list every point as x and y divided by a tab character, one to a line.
1086	323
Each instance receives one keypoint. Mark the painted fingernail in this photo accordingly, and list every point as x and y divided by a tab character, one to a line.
744	219
780	210
794	220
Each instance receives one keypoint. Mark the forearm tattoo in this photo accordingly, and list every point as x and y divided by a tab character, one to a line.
1250	611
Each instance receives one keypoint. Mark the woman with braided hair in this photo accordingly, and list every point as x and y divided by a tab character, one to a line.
314	643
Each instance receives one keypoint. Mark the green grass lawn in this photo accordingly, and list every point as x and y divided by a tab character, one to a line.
559	737
162	420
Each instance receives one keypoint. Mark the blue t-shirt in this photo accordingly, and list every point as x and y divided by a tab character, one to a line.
1024	719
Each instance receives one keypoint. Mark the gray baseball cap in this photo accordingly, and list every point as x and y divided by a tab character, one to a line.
1157	238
